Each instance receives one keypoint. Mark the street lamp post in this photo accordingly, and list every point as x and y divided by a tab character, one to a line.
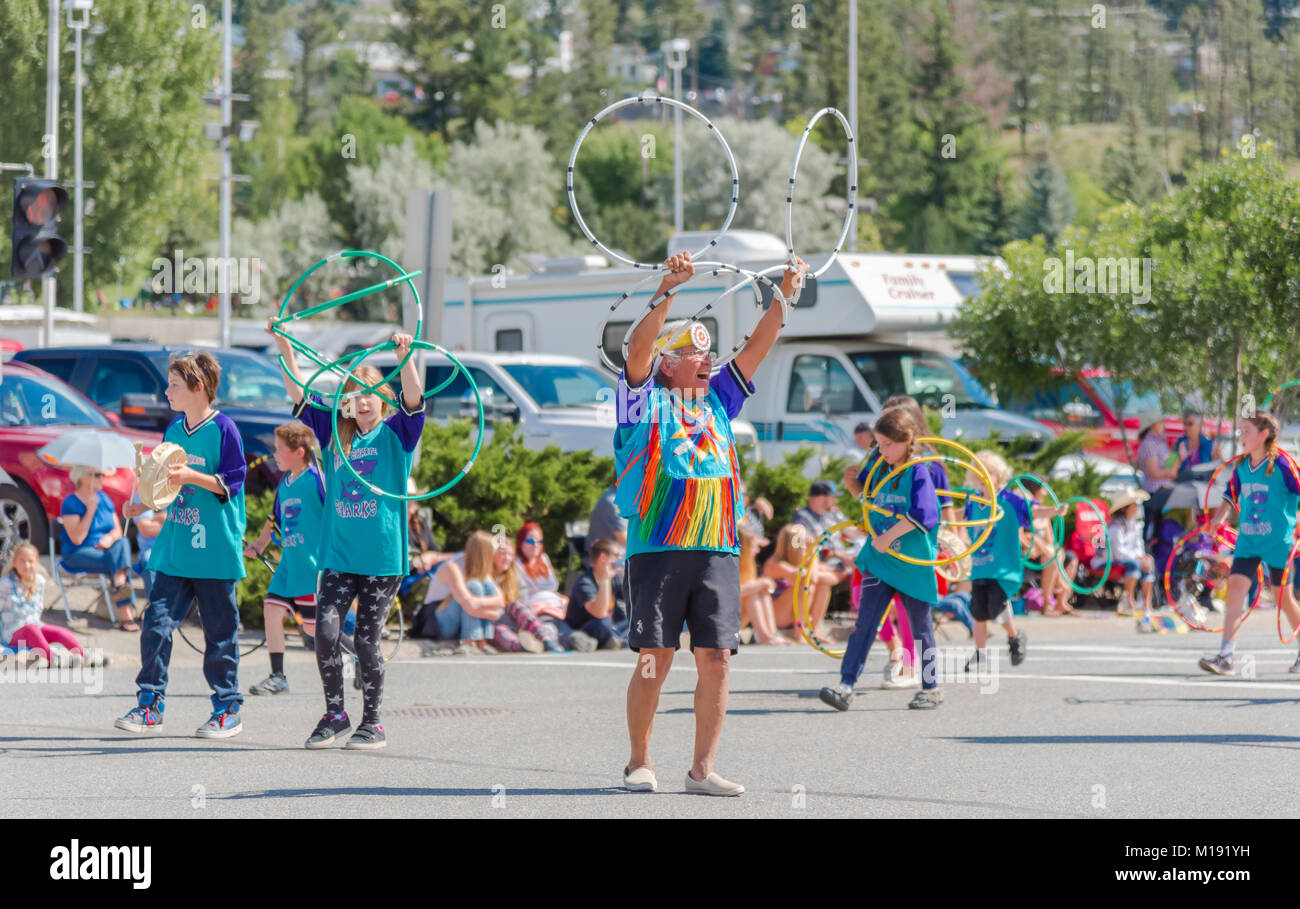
675	57
50	150
78	25
853	113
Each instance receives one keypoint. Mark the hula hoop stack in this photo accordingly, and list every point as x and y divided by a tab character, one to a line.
752	279
343	369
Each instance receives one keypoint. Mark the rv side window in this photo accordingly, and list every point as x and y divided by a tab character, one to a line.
807	298
819	384
510	340
614	332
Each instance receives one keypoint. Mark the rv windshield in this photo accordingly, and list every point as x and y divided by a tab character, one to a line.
559	386
928	377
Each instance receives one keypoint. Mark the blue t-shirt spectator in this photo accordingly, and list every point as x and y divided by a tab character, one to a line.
100	524
584	591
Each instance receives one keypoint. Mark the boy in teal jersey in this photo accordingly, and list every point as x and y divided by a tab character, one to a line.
912	529
297	515
197	555
1265	490
997	570
363	548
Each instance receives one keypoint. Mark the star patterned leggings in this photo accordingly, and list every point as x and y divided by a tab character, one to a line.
374	596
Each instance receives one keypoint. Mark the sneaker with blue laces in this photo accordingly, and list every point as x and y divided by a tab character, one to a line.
221	725
143	718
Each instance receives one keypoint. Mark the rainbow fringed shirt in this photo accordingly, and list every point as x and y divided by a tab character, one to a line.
678	475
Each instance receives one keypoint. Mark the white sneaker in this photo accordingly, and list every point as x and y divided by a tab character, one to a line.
1295	667
642	779
713	785
902	680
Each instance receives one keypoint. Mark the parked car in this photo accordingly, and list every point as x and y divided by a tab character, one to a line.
130	379
1088	403
35	409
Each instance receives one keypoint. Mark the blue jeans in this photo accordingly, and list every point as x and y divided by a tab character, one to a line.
454	623
600	629
957	604
876	595
1133	569
105	561
169	601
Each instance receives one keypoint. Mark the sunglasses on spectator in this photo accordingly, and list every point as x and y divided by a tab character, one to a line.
99	476
532	540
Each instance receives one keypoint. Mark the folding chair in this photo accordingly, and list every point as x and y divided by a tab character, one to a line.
76	578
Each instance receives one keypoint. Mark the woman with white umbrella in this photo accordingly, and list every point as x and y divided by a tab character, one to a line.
93	539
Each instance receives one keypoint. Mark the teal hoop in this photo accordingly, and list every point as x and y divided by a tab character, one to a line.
339	395
403	276
1105	572
1058	522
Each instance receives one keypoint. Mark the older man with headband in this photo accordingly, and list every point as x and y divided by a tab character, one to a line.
679	487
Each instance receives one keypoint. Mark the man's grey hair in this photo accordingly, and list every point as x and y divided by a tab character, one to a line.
671	331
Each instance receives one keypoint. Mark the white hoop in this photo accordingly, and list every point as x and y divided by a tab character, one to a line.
656	99
852	197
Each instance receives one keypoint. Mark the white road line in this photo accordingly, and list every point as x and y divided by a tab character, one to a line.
1292	687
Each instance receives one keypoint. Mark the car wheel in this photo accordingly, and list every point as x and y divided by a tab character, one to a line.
22	519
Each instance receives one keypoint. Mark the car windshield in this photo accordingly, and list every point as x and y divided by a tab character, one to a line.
928	377
559	386
247	380
1106	388
30	400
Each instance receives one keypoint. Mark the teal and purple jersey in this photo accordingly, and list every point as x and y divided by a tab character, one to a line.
998	557
364	532
1267	503
203	533
938	476
299	510
678	475
910	497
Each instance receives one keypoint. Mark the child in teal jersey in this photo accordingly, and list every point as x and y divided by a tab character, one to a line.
297	514
363	542
996	567
911	528
1265	490
197	556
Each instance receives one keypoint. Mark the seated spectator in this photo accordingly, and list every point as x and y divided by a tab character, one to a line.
519	629
539	589
592	605
1124	537
22	600
820	513
463	600
1058	571
425	551
755	517
93	540
783	567
756	593
605	524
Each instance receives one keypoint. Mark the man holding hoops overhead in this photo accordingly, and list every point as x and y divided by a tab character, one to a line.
679	487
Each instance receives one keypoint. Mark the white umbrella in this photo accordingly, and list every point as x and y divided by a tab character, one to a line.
91	448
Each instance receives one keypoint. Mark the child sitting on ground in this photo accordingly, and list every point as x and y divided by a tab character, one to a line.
22	600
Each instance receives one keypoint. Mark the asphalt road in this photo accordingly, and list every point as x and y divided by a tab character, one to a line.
1098	722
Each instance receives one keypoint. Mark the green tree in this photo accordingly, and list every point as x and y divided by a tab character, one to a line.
143	119
1048	207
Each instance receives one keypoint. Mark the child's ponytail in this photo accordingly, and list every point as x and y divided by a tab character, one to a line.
1268	424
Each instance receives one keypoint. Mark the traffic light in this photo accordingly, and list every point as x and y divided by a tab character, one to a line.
37	245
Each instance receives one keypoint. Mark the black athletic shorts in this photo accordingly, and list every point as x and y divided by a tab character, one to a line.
987	600
697	586
1249	566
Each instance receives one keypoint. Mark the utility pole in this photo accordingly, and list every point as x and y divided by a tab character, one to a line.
50	149
853	114
675	58
85	7
226	66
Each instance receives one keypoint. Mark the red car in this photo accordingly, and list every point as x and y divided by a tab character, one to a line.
1088	403
35	409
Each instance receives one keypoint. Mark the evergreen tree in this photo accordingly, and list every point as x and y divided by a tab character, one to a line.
1048	208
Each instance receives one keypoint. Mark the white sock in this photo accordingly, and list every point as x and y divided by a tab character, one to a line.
846	690
1227	647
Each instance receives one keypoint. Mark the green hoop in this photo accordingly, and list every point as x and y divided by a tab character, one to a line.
1105	572
1058	522
338	397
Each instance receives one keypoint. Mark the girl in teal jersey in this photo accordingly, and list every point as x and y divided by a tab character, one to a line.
1265	490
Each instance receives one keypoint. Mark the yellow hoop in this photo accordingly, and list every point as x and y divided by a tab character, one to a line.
973	465
800	591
